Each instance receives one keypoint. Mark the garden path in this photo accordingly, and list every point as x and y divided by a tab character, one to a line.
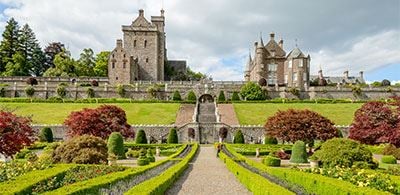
184	114
228	114
207	174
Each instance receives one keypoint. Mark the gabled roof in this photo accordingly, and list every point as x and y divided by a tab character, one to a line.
272	45
296	53
141	21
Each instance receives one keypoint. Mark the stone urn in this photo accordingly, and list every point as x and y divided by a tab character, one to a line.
157	151
257	152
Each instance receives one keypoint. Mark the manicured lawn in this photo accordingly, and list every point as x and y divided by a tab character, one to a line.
257	113
55	113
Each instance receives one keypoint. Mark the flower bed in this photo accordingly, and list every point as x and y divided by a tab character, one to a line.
13	169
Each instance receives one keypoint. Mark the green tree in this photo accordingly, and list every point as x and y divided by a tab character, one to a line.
46	135
16	66
221	97
86	63
239	138
32	52
10	43
252	91
141	137
64	66
172	136
299	153
50	52
101	67
176	96
191	96
116	145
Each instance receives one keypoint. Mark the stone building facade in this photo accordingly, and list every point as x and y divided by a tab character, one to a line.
271	65
142	54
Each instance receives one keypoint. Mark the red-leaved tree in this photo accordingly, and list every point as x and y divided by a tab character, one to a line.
15	133
373	123
100	122
305	125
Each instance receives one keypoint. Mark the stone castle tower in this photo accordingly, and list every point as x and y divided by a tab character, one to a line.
272	66
142	53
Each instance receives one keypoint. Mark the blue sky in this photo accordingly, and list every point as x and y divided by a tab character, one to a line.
362	35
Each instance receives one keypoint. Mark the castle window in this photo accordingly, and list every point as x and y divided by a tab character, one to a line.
113	55
124	65
134	43
124	55
147	60
301	63
290	64
113	64
116	78
145	43
286	78
295	76
305	76
272	67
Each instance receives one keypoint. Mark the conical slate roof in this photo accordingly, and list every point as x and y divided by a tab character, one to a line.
296	53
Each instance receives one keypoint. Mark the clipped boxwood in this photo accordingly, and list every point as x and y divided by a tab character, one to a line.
191	96
221	97
150	157
271	161
389	159
172	136
238	138
176	96
299	153
270	140
141	137
46	135
235	96
116	145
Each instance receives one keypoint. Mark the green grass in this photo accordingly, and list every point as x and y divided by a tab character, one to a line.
55	113
258	113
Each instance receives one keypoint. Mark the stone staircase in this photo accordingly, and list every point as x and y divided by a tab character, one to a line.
206	113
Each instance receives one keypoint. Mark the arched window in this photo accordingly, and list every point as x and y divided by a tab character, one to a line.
147	60
124	65
134	43
145	43
113	64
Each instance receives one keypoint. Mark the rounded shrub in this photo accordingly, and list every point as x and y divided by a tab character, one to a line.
61	91
29	91
343	152
270	140
31	81
176	96
150	157
172	136
235	96
121	90
389	160
142	160
238	138
221	97
90	92
141	137
84	149
116	145
191	96
46	135
299	153
271	161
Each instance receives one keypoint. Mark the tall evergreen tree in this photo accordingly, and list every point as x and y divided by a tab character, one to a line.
31	51
10	43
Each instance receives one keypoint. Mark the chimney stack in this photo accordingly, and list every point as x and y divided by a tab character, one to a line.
346	74
281	43
119	43
141	12
162	12
362	74
272	35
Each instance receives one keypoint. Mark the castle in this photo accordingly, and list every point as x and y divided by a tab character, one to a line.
142	54
271	66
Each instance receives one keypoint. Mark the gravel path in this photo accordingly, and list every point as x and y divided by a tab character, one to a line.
228	114
184	114
207	174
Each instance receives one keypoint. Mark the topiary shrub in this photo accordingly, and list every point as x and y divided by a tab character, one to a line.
191	96
223	133
270	140
46	135
271	161
221	97
392	150
31	81
142	160
141	137
238	138
121	90
172	136
150	157
90	92
299	153
176	96
235	96
343	152
116	145
2	92
29	91
389	159
61	91
132	153
84	149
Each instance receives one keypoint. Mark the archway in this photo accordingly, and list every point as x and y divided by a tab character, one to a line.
206	98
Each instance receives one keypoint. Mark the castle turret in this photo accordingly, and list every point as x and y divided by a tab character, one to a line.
247	69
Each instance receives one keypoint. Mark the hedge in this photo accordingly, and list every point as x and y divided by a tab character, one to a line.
312	183
92	186
24	184
88	100
254	182
159	184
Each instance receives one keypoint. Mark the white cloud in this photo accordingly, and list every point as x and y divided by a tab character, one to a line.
214	36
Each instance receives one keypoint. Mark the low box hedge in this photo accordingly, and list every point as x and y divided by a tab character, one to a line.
92	186
254	182
159	184
24	184
389	159
271	161
312	183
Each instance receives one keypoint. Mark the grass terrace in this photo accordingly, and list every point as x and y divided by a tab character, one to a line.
55	113
257	113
